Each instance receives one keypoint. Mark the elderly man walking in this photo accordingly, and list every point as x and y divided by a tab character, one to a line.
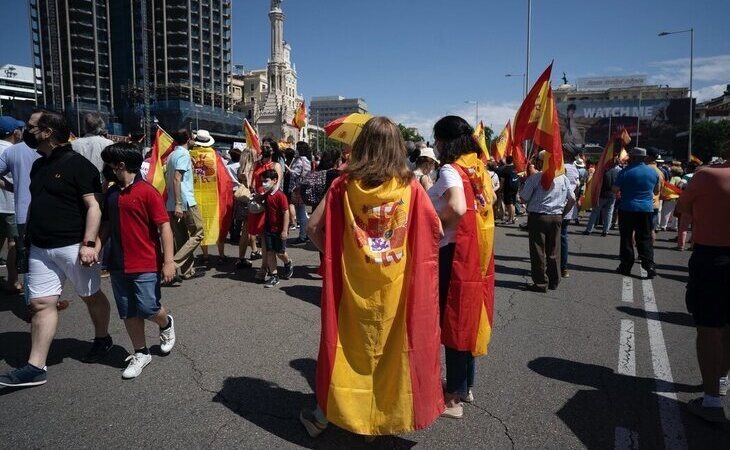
638	184
546	209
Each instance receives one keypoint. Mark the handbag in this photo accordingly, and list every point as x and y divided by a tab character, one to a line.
313	187
255	206
242	194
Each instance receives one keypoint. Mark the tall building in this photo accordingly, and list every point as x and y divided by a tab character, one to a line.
274	115
137	60
326	109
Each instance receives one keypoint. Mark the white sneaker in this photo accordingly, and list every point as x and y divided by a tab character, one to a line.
455	411
167	337
469	398
724	385
137	362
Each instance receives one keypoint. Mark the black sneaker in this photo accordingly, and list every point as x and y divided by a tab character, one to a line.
651	273
99	349
623	270
288	271
26	376
243	263
272	281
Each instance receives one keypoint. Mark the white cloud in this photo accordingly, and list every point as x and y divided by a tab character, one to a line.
708	69
709	92
494	115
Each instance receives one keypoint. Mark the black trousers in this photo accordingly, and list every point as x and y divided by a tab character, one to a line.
636	226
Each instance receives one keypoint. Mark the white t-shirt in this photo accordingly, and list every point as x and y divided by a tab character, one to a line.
7	201
448	178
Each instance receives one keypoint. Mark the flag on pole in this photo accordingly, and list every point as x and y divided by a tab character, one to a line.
300	117
695	160
252	139
161	149
481	137
502	146
547	136
213	188
593	188
528	115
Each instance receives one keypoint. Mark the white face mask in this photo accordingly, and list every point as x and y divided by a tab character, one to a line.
268	186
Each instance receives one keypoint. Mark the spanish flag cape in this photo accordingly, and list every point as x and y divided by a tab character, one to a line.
213	193
379	369
466	324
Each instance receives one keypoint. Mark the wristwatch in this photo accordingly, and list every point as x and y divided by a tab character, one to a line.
90	244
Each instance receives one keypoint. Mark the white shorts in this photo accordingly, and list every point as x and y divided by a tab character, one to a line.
50	267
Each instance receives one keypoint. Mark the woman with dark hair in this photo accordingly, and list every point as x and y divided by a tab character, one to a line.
378	369
463	197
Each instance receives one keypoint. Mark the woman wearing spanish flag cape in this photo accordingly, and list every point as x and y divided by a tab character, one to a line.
463	197
378	370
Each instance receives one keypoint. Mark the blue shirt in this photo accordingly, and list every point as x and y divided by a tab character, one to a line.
18	159
551	201
637	183
179	161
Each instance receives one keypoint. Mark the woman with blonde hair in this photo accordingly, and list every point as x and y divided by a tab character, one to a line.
378	371
245	176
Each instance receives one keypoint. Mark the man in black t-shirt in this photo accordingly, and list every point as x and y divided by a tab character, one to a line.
511	187
62	227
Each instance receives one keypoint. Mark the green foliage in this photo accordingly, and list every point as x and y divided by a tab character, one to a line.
710	139
318	140
410	134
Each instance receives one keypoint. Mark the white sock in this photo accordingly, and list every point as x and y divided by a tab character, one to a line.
723	379
711	401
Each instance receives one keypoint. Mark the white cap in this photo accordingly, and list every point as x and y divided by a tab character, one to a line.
427	152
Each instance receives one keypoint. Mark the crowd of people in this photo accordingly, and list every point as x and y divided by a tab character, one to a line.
406	241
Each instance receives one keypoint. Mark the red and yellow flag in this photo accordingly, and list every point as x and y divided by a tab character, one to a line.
481	137
593	188
213	193
467	319
502	146
379	370
300	117
669	191
161	149
548	137
252	139
528	115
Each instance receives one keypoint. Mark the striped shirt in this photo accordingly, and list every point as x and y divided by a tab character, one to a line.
551	201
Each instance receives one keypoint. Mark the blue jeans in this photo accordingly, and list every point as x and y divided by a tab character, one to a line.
459	371
136	294
302	220
605	208
564	245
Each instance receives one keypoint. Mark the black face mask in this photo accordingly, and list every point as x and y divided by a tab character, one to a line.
266	153
30	139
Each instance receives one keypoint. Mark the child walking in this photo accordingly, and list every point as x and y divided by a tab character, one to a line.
276	229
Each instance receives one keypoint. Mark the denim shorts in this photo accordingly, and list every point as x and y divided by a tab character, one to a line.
274	242
136	294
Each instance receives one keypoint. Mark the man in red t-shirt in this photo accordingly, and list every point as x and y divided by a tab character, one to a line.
276	228
707	201
135	258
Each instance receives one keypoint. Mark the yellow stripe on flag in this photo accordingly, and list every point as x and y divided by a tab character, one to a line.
205	184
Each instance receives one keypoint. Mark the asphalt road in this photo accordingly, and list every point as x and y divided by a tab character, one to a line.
605	361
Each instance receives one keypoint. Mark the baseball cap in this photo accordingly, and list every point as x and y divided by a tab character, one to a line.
9	124
653	152
428	152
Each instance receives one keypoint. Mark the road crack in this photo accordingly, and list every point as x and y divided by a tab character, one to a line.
498	419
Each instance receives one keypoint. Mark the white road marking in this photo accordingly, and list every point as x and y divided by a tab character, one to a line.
669	413
626	355
626	439
627	293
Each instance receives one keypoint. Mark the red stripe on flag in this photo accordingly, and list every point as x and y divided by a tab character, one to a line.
225	198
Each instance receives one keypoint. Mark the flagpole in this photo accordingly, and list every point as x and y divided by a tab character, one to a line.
529	20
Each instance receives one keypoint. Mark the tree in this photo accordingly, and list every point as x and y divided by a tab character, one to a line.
710	139
318	141
410	134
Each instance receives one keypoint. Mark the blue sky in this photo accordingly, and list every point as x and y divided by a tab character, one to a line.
416	60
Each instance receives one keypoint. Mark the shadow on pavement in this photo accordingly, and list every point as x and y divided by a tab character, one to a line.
498	268
309	294
511	258
615	400
510	284
276	410
595	255
523	235
15	346
16	305
673	317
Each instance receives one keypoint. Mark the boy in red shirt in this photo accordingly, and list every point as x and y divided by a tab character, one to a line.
276	228
134	257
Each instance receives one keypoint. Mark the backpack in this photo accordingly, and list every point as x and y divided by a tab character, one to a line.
313	187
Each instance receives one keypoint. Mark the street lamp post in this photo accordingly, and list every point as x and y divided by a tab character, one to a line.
691	32
529	24
524	84
476	117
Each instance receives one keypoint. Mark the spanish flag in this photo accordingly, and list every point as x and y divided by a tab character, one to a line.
300	117
528	115
161	149
502	146
379	369
252	139
548	137
466	322
213	193
481	137
593	188
669	191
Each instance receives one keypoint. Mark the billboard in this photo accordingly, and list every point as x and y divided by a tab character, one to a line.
605	83
660	123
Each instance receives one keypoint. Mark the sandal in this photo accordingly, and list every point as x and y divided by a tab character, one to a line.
256	255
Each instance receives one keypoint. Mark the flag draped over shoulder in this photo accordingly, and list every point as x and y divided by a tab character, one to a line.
252	139
213	193
466	323
502	146
593	188
669	191
161	149
379	370
300	117
481	137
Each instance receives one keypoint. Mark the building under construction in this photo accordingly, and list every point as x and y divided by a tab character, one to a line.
137	61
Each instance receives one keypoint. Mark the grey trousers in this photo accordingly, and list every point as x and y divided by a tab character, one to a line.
544	232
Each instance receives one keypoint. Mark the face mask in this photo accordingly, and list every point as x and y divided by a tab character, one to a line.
266	153
268	186
30	139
